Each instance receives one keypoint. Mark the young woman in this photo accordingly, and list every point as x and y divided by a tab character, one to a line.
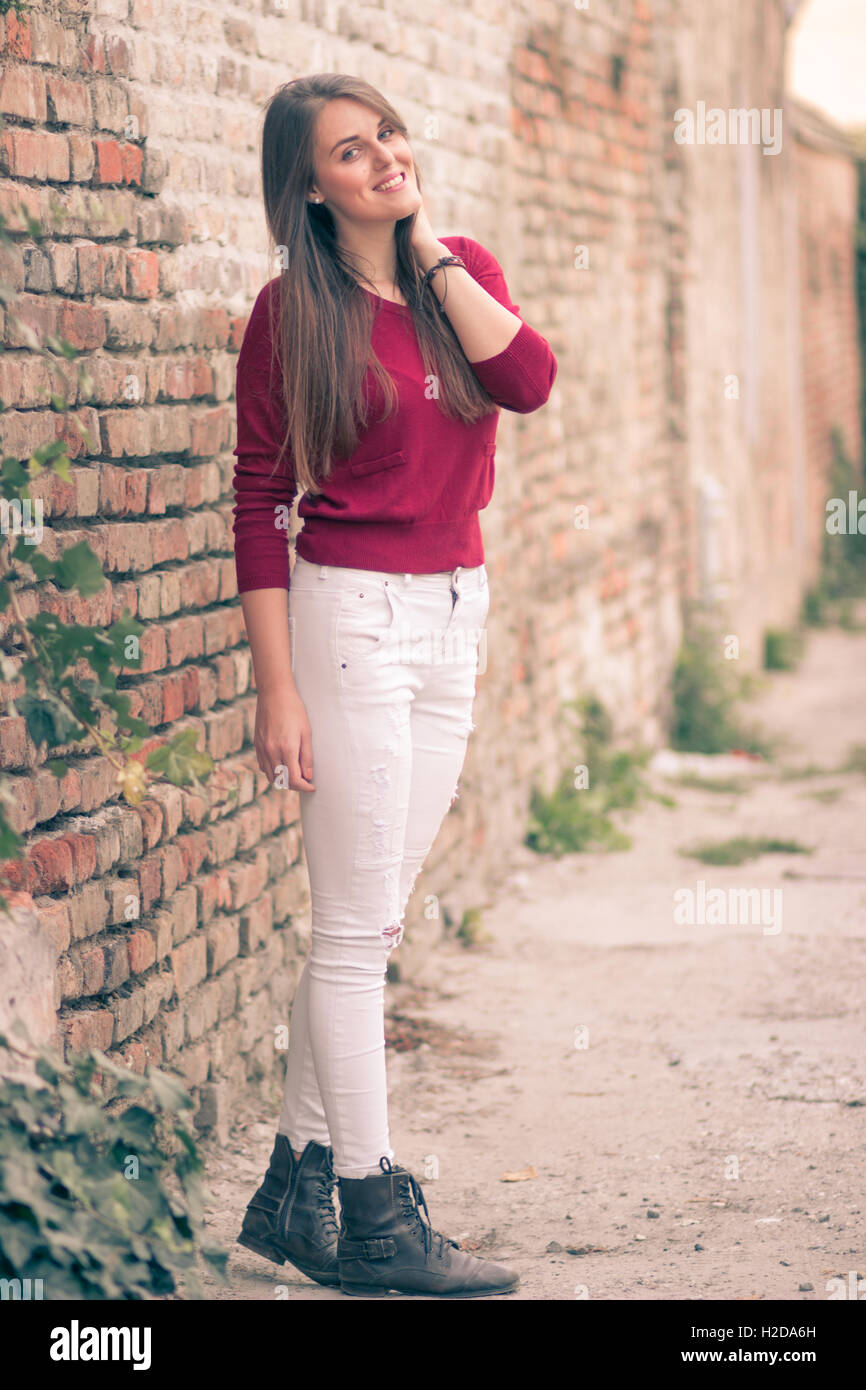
369	378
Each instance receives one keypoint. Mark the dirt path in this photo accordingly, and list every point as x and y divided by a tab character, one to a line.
705	1137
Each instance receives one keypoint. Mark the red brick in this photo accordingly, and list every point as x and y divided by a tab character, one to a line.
184	914
157	991
194	850
153	819
81	156
83	326
128	1010
149	880
160	927
93	965
69	979
22	93
193	1063
35	154
21	808
189	964
137	1056
88	910
87	1028
256	925
68	102
100	271
223	943
170	1024
142	951
18	41
53	863
109	165
84	857
116	958
54	921
117	58
93	53
131	160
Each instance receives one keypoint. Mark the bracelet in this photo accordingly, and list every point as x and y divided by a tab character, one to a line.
445	260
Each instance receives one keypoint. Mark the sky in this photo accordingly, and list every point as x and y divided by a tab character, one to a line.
827	58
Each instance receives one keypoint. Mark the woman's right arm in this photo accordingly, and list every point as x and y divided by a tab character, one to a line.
263	499
283	738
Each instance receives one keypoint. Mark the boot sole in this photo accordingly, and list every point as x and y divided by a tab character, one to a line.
377	1291
270	1252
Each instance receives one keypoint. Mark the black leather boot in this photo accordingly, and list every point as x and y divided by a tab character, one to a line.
385	1243
292	1217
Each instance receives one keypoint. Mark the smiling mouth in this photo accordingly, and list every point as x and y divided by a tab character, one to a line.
391	185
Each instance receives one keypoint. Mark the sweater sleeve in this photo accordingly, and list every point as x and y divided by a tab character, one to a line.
521	377
263	497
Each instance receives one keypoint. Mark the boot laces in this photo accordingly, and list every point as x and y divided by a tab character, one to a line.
413	1203
325	1183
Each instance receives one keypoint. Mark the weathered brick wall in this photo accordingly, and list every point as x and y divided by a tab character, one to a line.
178	928
735	386
827	185
545	131
678	414
582	600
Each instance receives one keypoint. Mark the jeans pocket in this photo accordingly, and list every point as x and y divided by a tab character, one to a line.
366	615
477	605
486	605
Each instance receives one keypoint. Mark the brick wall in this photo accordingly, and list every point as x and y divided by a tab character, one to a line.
827	188
178	928
656	270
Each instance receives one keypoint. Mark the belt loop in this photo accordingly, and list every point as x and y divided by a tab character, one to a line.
323	571
407	578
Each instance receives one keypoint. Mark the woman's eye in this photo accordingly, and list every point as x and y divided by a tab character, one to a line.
388	130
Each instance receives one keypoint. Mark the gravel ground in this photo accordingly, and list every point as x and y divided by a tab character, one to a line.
682	1105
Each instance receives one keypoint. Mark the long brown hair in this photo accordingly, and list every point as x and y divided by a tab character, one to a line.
324	319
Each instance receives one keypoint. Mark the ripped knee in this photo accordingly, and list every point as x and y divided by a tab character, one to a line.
392	934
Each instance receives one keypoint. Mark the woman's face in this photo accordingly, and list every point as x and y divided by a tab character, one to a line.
355	151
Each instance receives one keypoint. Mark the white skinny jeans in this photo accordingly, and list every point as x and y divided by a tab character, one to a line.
385	665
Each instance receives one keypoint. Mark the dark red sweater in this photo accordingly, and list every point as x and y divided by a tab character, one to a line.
408	498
